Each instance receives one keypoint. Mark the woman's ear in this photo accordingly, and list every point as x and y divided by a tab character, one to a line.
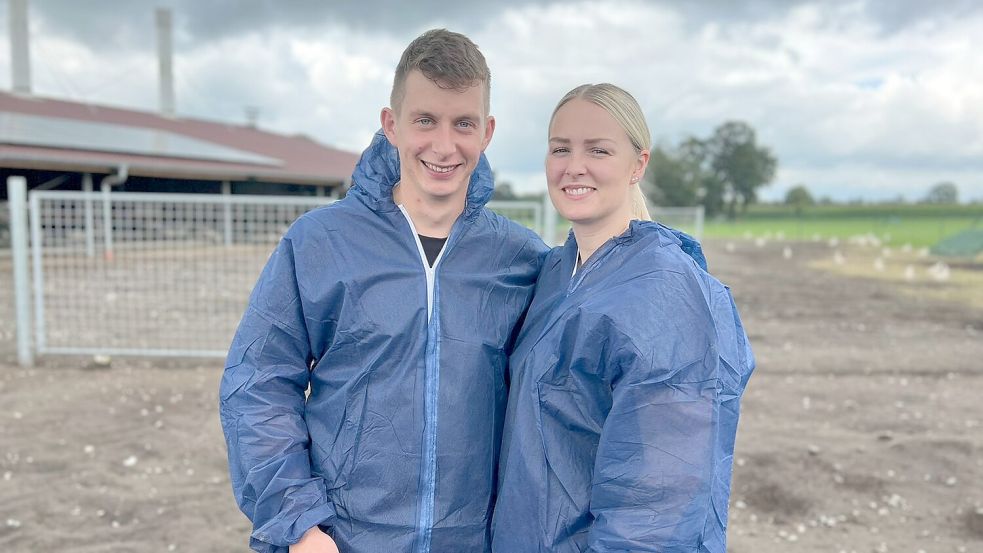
641	164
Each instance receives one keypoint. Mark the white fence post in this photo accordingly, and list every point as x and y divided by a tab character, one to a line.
90	228
227	212
549	221
17	194
700	216
37	243
107	221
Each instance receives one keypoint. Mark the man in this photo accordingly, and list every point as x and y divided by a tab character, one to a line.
396	307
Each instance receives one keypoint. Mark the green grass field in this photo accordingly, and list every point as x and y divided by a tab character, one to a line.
894	225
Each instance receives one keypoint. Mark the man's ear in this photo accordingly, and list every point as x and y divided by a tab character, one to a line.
489	131
388	120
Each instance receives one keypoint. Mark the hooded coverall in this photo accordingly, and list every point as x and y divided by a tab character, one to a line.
395	448
625	391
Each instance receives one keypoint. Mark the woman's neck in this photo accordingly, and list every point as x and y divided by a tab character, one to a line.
591	237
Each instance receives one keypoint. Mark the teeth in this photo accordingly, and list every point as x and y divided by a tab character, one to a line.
438	168
577	191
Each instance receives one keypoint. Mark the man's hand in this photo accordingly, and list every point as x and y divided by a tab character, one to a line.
315	541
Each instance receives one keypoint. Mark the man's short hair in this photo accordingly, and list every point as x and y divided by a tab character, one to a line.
448	59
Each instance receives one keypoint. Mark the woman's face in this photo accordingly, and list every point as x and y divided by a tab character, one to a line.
590	166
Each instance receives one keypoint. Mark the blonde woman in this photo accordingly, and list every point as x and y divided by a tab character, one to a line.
628	372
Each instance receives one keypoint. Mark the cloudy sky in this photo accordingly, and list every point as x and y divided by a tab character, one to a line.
856	98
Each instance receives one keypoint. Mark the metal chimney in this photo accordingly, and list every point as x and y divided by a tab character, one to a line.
19	50
165	62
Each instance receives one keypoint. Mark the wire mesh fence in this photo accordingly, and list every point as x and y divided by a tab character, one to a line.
158	274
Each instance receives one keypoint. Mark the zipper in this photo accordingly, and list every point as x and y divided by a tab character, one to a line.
428	474
591	264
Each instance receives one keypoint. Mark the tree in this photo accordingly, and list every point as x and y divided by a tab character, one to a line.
721	172
673	179
943	193
799	197
739	165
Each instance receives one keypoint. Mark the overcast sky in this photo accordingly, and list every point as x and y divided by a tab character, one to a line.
855	98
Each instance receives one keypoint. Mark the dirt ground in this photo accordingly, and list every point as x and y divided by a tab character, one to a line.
860	429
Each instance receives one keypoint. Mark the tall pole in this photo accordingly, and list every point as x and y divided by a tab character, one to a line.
20	52
165	62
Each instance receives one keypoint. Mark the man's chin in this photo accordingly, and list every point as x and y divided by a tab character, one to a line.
447	191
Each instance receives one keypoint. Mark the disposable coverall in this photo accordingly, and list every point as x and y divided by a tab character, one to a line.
396	447
625	390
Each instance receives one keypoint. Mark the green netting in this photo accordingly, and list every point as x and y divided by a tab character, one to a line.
968	243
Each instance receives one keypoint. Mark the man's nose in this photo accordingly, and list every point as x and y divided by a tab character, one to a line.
443	141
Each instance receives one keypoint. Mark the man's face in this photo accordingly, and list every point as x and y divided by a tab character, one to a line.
440	134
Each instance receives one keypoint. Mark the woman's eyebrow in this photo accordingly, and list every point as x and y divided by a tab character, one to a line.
588	141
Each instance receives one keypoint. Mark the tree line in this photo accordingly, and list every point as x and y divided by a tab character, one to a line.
943	193
723	173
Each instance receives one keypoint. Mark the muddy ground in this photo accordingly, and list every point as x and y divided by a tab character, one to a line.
860	429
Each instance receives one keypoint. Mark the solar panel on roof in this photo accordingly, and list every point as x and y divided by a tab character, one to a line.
56	132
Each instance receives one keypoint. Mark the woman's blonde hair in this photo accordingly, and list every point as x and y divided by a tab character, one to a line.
625	109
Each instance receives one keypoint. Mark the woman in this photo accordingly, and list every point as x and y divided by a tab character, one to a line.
626	378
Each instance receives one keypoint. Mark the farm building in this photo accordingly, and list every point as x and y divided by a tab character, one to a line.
67	145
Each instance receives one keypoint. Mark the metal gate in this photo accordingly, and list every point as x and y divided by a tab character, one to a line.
149	274
157	274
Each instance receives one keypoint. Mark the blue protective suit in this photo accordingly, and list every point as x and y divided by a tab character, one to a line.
625	390
396	447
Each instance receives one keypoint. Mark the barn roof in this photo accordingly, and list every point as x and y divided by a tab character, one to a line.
48	134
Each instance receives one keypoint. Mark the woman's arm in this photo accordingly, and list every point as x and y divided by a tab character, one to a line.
659	461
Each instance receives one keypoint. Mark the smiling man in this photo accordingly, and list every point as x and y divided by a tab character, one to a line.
394	309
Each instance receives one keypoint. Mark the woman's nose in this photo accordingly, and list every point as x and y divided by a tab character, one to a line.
576	165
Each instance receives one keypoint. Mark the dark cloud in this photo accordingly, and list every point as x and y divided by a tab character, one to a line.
108	24
111	24
895	15
890	15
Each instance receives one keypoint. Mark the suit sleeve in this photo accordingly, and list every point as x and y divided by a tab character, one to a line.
657	454
262	400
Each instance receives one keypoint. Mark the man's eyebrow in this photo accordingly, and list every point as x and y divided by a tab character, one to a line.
466	117
560	140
